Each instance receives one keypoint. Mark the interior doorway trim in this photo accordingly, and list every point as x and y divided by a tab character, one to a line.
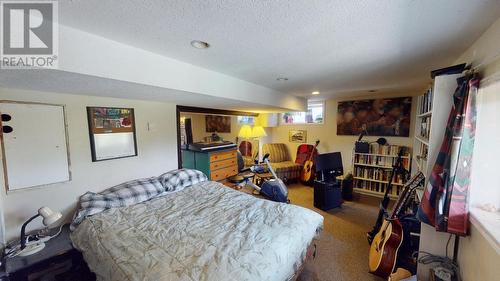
192	109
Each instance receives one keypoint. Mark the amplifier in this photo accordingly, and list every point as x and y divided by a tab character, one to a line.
362	147
327	195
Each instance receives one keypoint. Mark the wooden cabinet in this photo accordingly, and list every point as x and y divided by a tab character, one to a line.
217	165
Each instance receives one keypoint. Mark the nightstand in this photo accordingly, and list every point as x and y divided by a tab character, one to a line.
57	261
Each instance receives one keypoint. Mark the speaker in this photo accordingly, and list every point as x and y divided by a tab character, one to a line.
327	195
362	147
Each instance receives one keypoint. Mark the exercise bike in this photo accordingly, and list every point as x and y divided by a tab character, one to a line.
274	188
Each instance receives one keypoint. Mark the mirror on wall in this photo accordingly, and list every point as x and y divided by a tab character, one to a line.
204	131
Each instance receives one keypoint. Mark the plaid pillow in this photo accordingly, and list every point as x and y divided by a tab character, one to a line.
179	179
125	194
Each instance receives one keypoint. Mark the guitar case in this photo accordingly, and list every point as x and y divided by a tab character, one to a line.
410	244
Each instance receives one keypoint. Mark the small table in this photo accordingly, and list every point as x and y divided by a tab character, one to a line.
57	261
262	177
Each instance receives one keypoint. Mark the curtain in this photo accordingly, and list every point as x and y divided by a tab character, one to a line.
445	201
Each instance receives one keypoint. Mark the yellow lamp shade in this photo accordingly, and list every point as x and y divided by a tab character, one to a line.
245	132
258	131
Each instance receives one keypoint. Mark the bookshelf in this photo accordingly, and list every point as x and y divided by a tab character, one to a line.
433	108
372	170
427	144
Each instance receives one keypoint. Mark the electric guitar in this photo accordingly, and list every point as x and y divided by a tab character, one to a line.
385	245
307	173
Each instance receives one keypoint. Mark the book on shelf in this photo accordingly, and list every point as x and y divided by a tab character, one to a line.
376	148
377	174
425	127
381	156
426	102
372	170
377	187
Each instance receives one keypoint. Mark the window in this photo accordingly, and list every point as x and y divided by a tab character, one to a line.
485	190
314	115
246	120
485	187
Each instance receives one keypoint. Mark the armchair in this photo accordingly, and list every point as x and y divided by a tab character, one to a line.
281	161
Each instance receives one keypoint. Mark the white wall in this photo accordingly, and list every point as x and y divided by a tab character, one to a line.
157	153
327	132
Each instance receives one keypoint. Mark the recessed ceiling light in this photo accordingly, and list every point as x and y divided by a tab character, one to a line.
315	93
282	79
200	44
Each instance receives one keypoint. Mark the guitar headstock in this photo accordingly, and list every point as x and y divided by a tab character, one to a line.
317	143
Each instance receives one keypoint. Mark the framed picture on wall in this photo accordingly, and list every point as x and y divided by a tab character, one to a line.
375	117
298	136
218	124
111	132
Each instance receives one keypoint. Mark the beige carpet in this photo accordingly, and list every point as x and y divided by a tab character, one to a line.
342	252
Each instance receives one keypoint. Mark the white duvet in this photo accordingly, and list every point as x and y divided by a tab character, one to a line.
204	232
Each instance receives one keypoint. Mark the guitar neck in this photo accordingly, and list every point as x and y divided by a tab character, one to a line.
411	185
312	152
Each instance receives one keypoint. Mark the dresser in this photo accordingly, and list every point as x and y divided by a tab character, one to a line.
217	165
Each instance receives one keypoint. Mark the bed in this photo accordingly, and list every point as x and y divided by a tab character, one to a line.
205	231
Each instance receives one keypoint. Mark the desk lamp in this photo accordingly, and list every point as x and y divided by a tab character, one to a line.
49	218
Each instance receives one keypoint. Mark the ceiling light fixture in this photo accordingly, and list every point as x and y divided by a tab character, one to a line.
200	44
282	79
315	93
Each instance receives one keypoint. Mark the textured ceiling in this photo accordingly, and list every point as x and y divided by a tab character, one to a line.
331	46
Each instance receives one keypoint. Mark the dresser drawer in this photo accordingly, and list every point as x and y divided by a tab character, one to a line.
222	155
222	164
221	174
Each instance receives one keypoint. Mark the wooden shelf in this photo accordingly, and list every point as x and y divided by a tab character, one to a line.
384	155
374	193
366	179
374	166
425	114
422	140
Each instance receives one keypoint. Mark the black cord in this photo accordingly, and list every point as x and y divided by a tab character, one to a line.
447	245
445	262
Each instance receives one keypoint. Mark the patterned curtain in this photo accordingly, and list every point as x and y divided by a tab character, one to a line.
445	201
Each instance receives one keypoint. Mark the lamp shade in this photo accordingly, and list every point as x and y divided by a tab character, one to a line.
258	131
245	132
49	217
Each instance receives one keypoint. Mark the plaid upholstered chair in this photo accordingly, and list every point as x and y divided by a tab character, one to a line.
281	161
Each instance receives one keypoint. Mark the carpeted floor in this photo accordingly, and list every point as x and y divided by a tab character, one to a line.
342	251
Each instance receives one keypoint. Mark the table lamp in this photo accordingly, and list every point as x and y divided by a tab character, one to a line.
258	132
245	133
49	218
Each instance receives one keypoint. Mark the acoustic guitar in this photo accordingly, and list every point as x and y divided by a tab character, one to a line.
385	246
307	173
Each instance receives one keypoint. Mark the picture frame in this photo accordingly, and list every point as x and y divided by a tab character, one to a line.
112	133
217	124
375	117
297	136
